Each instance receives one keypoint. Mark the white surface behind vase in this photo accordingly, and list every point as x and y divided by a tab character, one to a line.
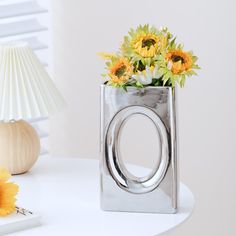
206	105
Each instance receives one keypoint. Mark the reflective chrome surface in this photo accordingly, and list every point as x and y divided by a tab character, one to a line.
120	190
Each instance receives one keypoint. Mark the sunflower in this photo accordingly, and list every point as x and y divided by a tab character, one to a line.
144	44
176	64
181	61
120	70
8	192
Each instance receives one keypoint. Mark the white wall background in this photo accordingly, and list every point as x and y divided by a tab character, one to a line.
207	104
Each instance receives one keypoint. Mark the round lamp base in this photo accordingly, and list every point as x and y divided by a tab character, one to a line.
19	146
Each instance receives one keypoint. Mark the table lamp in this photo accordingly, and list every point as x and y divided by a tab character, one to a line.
26	92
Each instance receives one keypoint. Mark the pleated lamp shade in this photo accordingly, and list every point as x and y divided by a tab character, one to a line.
26	90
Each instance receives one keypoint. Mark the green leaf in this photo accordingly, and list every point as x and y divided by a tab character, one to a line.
124	87
162	71
173	79
193	72
139	85
172	42
196	67
182	81
165	78
158	83
154	81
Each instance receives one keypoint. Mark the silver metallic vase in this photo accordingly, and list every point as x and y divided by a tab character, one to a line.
120	190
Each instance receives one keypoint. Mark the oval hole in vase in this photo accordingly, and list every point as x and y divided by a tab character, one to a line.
140	144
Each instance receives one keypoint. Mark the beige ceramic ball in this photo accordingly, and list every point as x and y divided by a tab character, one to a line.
19	146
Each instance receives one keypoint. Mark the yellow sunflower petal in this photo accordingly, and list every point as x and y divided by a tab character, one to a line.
7	211
4	175
105	56
8	193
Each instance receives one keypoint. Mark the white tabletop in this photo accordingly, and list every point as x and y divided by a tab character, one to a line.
65	192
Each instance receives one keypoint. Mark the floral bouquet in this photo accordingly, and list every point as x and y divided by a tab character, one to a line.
149	57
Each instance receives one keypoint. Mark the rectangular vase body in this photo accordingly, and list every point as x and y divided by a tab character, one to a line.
120	190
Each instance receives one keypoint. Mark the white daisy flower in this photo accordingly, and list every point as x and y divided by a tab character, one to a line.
145	77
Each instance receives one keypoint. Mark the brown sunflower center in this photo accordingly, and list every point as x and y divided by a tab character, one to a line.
148	43
176	58
120	71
